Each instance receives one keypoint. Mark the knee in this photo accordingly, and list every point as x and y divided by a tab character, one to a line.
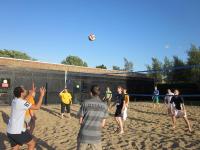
32	143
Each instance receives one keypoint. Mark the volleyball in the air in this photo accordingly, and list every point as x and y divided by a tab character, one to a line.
91	37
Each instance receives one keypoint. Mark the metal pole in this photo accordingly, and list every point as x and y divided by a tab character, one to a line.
45	101
65	79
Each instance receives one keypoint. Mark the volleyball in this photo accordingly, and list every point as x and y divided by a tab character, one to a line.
91	37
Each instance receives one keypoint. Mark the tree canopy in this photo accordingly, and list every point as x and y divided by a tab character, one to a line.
15	54
116	68
128	65
177	70
101	66
74	60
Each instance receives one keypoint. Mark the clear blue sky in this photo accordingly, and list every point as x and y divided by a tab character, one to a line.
50	30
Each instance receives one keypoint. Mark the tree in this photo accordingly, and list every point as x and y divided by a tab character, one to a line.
116	68
167	72
194	59
155	70
101	66
14	54
128	65
179	73
74	60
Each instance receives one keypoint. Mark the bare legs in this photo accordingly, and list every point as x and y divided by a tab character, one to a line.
184	118
187	122
31	145
120	124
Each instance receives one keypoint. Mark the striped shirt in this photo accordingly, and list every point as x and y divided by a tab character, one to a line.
93	112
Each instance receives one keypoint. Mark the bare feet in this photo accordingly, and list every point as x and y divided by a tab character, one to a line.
190	129
62	115
121	132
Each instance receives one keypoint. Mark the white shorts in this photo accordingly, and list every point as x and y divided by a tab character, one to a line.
179	113
124	113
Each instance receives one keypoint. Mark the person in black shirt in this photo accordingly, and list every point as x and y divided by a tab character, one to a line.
178	109
119	108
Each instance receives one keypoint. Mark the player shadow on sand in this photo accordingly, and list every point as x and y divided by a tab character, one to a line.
53	112
147	112
40	145
140	120
57	114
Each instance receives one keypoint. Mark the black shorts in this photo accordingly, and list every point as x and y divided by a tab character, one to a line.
63	106
118	112
19	139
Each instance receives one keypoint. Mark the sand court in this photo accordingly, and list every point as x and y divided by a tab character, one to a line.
146	128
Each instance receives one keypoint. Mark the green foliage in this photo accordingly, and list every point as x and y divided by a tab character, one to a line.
74	60
116	68
179	75
14	54
153	69
167	72
194	59
101	66
128	65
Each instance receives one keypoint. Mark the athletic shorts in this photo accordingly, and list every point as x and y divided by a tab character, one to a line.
63	106
19	139
179	114
118	112
156	99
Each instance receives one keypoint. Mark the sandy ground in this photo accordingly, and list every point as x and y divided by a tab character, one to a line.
146	128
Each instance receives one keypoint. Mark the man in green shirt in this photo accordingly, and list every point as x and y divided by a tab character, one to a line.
108	97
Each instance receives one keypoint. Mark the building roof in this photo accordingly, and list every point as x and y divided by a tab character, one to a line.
20	63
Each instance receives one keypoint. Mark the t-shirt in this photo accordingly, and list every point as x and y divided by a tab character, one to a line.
168	97
108	95
119	101
31	101
66	97
93	112
16	121
126	98
177	101
156	92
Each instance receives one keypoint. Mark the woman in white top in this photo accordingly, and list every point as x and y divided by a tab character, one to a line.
167	99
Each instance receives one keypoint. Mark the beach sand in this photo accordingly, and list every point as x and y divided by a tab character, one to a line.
146	128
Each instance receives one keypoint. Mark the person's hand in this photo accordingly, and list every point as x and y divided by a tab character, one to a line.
42	91
33	87
34	117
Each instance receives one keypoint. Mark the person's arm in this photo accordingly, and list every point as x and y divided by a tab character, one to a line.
110	96
165	100
124	104
127	100
103	123
81	114
38	105
70	98
81	120
182	105
104	117
61	93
